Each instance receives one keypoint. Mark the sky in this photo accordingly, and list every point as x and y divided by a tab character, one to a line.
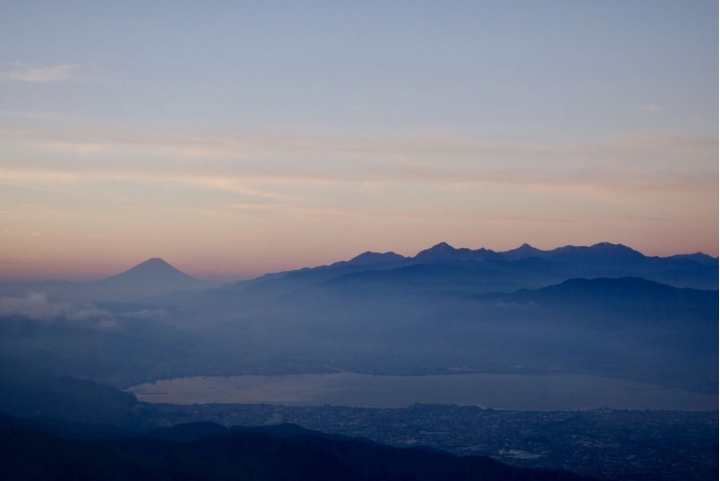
238	138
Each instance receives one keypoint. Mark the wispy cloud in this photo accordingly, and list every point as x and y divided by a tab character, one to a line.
22	72
253	163
37	306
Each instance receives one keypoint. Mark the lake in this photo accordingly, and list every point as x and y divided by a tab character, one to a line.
498	391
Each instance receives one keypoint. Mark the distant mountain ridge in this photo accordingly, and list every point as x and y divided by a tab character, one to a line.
525	266
698	257
599	253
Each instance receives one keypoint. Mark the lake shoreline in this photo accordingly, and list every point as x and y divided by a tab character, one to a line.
521	392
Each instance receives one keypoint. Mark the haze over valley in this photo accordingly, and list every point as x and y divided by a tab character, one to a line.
604	310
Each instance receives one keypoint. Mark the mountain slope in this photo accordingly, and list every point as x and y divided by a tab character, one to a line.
698	257
29	392
619	292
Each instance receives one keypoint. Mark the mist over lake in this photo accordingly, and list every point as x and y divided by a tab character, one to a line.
515	392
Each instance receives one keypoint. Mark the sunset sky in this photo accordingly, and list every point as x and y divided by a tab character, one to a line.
238	138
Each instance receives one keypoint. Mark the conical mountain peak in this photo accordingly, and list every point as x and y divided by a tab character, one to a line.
153	270
154	263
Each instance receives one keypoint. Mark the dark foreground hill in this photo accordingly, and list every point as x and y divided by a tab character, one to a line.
280	453
30	392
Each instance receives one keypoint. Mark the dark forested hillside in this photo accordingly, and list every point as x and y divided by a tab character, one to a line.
196	452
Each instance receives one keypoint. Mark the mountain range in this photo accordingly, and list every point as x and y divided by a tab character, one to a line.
525	266
443	268
490	270
601	254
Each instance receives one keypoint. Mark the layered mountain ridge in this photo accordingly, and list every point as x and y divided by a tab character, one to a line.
596	253
487	270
